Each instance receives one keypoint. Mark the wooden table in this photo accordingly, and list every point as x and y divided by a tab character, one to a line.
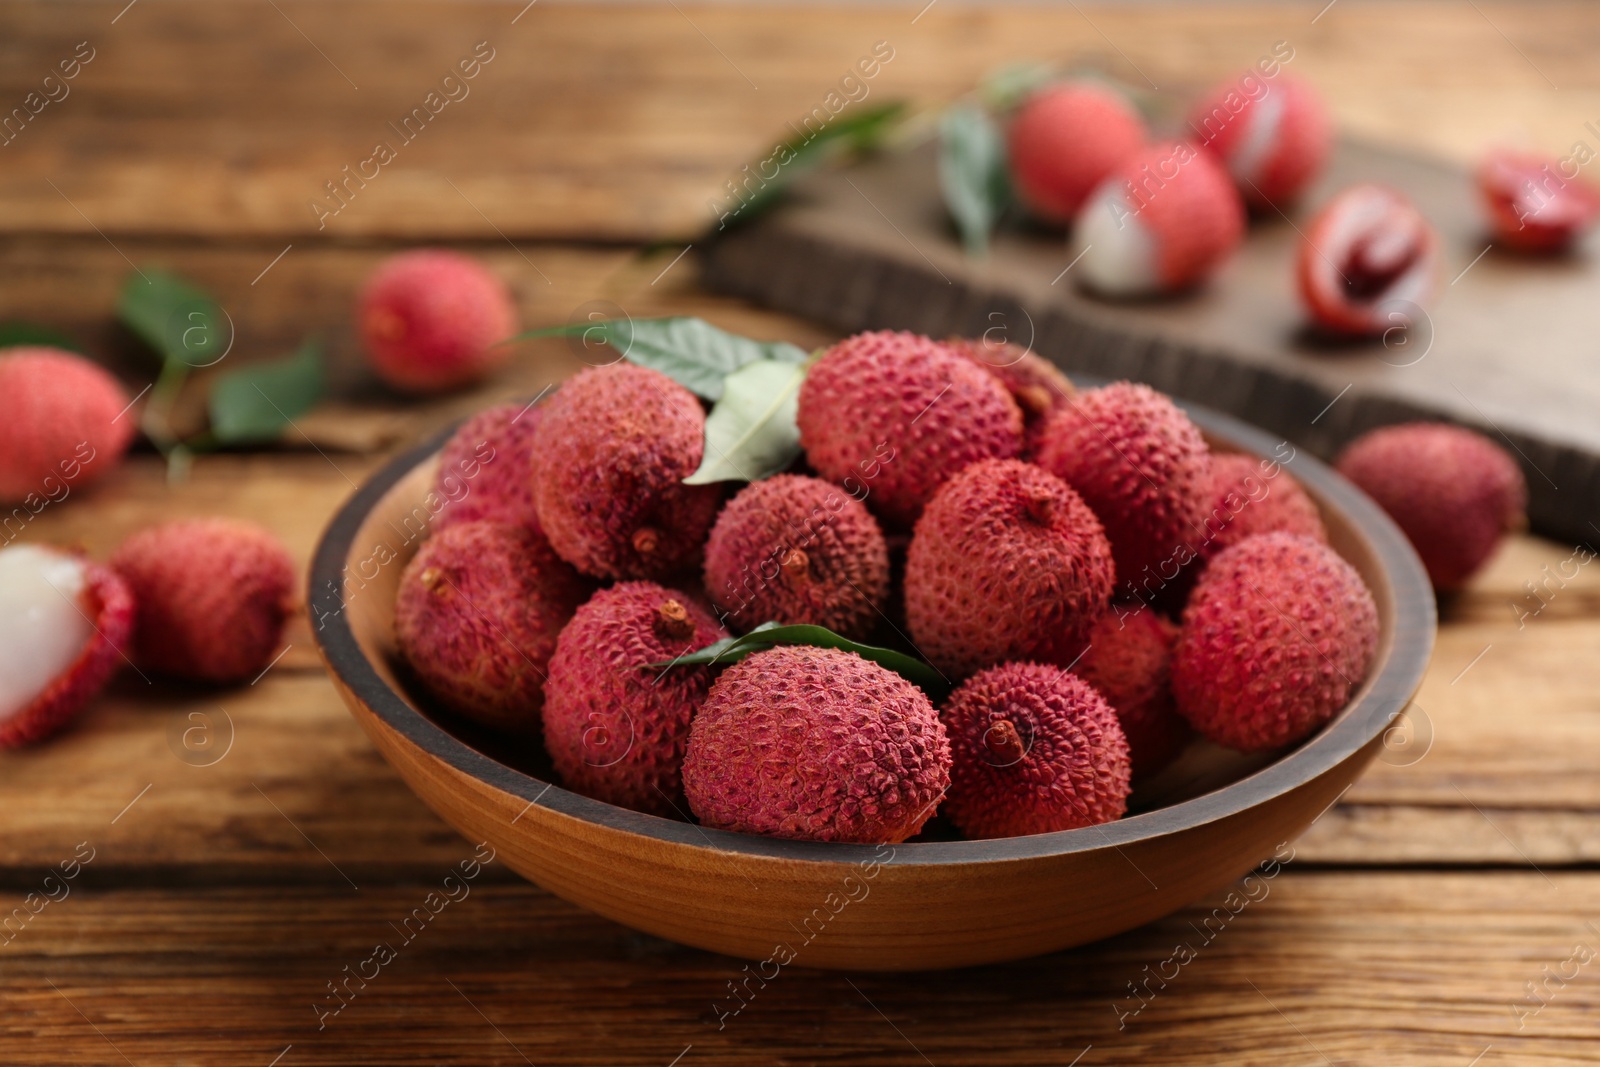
1446	912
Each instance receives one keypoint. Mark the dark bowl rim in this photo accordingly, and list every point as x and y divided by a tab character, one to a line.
1380	699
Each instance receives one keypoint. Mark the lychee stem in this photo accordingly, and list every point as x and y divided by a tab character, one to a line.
1035	399
1040	504
796	567
673	622
646	539
1003	740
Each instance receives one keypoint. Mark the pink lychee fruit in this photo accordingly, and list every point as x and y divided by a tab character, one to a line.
1251	496
486	470
66	423
432	320
1064	139
1036	384
1368	263
1531	206
1274	143
1129	662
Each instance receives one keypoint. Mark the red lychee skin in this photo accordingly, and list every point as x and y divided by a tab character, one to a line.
793	549
613	449
1367	258
816	744
486	469
1006	563
108	602
1277	633
897	414
477	615
1274	144
1034	750
211	597
1531	207
1251	496
433	320
1064	139
1454	493
1129	662
615	726
66	422
1036	384
1142	467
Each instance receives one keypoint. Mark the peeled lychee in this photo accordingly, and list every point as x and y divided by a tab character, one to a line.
477	615
793	549
1533	208
1163	221
1277	634
1274	142
1143	468
432	319
816	744
1251	496
1369	261
66	422
891	416
64	626
615	725
614	447
1006	563
1454	493
1064	139
1129	662
1035	750
211	596
486	469
1036	384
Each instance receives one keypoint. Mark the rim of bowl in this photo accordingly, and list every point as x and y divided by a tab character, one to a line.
1371	710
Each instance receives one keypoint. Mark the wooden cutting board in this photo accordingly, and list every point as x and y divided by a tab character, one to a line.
1510	346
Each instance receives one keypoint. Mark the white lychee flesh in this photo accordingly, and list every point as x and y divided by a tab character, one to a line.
43	627
1119	254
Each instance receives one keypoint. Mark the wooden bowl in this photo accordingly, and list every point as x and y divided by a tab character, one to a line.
1204	823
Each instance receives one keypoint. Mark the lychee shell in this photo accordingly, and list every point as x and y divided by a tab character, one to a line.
1129	662
1250	496
486	469
432	319
66	423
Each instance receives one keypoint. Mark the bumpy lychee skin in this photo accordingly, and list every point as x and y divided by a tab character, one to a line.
1129	662
794	549
477	615
486	469
1036	384
1368	263
1454	492
1064	139
1007	563
1274	143
66	423
432	320
1251	496
64	628
614	447
1142	466
896	414
1277	633
212	596
1034	750
1531	206
615	726
816	744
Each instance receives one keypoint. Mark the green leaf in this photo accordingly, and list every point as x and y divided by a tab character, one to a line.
1006	87
770	635
691	352
752	431
799	155
255	402
181	322
27	333
972	173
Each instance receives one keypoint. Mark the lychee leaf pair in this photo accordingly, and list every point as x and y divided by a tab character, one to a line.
256	402
770	635
180	321
753	432
972	173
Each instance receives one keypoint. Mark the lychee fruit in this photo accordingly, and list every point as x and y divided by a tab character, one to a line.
1277	634
477	615
64	626
1142	467
211	597
1531	207
1369	261
1064	139
614	447
66	423
1163	221
1251	496
432	320
486	470
1006	563
1274	143
1034	750
1453	492
615	724
1036	384
793	549
891	416
1129	662
816	744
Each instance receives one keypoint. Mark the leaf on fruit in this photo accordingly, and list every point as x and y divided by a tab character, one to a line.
1006	87
770	635
753	432
972	173
181	322
13	334
864	131
254	403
